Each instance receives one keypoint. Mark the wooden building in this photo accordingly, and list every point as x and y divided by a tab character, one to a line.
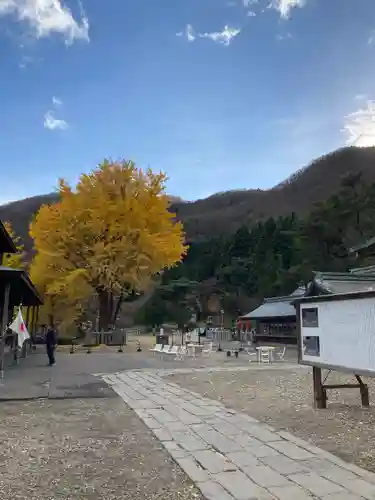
275	319
16	288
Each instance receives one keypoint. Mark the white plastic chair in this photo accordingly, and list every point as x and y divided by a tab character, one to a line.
156	348
265	356
182	352
173	351
165	350
249	350
207	349
281	354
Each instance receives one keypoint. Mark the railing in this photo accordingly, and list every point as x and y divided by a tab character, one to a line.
113	337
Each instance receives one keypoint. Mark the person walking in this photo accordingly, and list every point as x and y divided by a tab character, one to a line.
51	342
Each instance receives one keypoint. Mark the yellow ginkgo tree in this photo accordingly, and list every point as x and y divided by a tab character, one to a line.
107	237
14	260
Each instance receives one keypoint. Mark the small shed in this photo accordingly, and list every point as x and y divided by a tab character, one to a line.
16	289
275	319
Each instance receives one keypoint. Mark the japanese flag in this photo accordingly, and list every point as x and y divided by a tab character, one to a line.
18	326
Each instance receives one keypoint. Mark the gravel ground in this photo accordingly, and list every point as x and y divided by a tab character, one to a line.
283	398
84	450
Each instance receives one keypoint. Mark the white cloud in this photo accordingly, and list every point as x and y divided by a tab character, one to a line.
285	36
188	33
223	37
359	127
50	120
371	38
284	7
53	123
46	17
56	101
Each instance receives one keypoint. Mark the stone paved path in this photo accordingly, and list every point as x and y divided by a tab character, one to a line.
230	455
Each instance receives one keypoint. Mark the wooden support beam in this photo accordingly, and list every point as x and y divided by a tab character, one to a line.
363	388
4	324
320	395
27	320
341	386
320	389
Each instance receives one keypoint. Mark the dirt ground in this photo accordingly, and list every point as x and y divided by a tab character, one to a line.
283	398
84	449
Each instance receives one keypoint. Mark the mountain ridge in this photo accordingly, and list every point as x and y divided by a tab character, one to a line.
224	212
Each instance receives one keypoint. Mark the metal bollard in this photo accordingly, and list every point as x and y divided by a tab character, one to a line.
120	349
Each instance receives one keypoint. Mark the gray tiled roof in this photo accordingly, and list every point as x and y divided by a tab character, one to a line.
344	282
277	307
362	246
363	270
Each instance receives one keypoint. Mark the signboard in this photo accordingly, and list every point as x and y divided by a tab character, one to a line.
338	331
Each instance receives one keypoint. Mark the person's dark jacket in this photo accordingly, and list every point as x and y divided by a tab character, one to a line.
51	337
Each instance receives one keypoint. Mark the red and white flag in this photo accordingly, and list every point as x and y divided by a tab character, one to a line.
18	326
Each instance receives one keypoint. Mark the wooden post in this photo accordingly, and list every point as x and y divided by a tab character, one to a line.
27	320
4	324
363	388
320	395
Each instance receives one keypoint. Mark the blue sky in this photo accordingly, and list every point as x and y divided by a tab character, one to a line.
220	94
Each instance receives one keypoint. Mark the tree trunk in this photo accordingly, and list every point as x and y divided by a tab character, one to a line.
117	309
105	302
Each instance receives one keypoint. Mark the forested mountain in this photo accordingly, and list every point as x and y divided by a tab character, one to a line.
270	258
247	245
224	213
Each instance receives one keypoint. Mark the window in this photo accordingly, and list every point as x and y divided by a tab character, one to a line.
311	346
310	317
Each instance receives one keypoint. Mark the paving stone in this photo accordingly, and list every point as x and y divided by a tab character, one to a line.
316	484
198	411
341	496
162	434
172	445
160	400
213	491
152	423
175	427
290	493
262	433
338	475
216	439
246	440
291	450
243	459
178	452
213	461
317	464
190	442
361	487
162	416
222	426
192	469
187	418
266	477
284	465
242	487
139	404
262	451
